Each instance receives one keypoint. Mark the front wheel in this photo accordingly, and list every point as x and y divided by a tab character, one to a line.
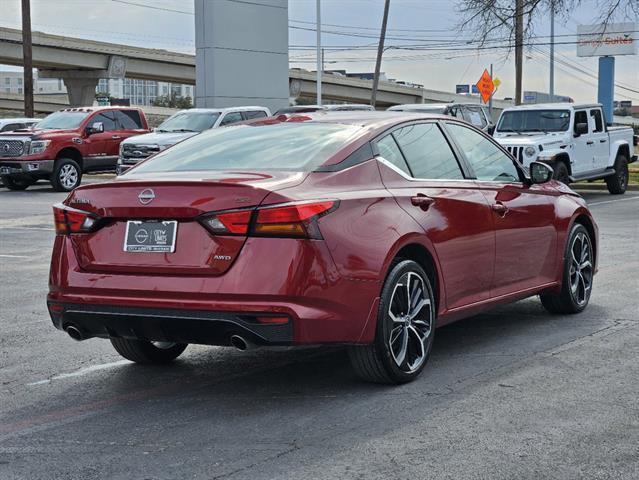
66	175
578	274
143	351
405	328
16	184
561	173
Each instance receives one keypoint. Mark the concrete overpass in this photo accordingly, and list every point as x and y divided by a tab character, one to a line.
82	62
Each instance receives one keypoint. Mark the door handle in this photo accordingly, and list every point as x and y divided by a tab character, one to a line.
590	142
603	140
500	209
422	201
116	137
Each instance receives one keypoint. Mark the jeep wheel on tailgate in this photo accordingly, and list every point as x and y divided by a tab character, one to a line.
66	175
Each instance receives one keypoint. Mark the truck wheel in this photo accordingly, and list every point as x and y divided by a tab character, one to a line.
15	184
143	351
66	175
561	173
618	182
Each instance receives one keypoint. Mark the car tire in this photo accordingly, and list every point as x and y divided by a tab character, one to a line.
404	336
578	273
15	184
66	175
618	182
145	352
561	173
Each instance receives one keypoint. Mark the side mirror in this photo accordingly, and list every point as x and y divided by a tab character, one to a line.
540	172
490	129
97	127
581	129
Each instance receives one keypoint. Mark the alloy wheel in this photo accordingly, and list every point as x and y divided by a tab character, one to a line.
581	270
411	313
68	176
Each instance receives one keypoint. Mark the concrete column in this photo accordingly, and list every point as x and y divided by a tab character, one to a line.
241	53
81	84
606	88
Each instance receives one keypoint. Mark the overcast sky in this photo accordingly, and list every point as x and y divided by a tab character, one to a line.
410	22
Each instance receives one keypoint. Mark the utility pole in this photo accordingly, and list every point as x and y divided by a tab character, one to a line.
490	100
320	66
519	48
27	59
551	84
380	51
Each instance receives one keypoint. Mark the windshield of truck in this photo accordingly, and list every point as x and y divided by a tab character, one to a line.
534	121
63	120
189	122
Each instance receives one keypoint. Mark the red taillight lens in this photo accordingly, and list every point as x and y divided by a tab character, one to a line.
290	220
296	220
70	220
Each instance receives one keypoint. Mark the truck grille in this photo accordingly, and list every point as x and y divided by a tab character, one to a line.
11	148
517	152
132	154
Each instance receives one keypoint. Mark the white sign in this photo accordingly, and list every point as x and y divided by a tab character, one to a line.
613	39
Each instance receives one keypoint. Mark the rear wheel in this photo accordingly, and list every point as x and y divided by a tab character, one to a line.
16	184
618	182
561	173
405	328
143	351
577	277
66	175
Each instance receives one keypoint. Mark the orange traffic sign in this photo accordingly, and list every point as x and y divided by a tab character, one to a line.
485	86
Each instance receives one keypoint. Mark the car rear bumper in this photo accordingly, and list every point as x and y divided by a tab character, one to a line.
168	325
26	168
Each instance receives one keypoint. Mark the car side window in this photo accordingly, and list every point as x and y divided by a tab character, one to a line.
474	116
598	121
390	151
250	114
129	119
107	119
232	117
427	152
580	117
488	161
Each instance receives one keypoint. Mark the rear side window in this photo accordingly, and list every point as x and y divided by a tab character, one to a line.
107	119
475	116
580	117
232	117
598	121
129	119
427	152
254	114
390	151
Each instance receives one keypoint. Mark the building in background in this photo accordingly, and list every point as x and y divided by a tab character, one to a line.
12	82
142	92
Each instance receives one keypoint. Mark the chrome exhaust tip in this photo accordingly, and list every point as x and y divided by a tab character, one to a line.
240	342
74	332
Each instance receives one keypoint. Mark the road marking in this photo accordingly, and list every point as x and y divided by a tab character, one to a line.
613	201
81	372
13	256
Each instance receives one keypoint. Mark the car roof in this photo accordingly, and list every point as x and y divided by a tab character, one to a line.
553	106
418	106
19	119
97	109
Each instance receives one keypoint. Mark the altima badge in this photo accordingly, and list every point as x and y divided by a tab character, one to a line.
146	196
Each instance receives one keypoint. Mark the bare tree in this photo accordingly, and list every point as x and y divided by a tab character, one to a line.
511	23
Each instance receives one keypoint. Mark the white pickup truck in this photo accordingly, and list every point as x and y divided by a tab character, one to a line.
572	138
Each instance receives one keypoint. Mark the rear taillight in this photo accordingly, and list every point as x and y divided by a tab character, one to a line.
297	220
70	220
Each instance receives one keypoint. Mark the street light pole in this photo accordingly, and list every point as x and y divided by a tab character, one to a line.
380	51
552	52
27	60
320	68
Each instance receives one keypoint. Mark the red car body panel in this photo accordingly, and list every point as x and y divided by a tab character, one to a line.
330	288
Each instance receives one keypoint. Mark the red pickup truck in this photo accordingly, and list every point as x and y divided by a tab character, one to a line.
66	144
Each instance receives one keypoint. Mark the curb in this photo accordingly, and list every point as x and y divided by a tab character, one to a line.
595	187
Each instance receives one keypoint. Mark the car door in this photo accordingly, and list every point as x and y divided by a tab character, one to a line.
523	215
99	145
600	147
583	151
230	118
420	169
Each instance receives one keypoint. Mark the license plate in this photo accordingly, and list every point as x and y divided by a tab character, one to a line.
150	236
5	170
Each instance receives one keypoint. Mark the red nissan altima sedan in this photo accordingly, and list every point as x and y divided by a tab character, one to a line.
360	228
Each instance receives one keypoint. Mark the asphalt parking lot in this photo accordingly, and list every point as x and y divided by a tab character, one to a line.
516	393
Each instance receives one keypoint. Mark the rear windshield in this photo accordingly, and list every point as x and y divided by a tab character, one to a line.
63	120
283	146
534	121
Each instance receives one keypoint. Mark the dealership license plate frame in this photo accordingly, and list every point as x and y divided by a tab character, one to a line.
156	245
